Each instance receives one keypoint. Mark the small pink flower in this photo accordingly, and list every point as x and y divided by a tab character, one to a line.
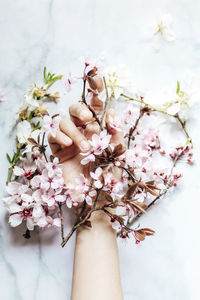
53	182
96	176
98	143
54	168
51	125
115	123
52	196
26	170
116	225
68	81
111	184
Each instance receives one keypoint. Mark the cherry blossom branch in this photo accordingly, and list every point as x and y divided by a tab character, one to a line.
168	186
176	116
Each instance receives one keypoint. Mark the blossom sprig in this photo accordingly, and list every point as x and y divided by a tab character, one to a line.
165	110
30	115
121	173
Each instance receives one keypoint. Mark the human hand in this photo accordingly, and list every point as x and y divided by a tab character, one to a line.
72	138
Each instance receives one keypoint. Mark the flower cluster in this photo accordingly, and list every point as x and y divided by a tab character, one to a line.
124	174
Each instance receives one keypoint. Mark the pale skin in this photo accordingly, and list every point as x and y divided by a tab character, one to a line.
96	274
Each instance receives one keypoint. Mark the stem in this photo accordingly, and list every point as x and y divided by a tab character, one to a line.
62	224
106	102
183	123
128	172
83	93
43	147
142	102
75	227
133	129
78	224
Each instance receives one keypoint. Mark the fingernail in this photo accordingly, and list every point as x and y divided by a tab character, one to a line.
66	140
85	145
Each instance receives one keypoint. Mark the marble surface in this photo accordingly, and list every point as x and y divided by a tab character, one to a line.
55	34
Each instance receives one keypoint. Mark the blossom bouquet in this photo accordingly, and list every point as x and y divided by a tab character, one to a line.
120	162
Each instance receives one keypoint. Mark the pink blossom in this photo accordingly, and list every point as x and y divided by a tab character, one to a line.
116	225
96	176
115	123
68	81
51	125
70	197
98	143
27	169
53	196
91	62
130	115
85	193
54	168
111	184
15	190
53	182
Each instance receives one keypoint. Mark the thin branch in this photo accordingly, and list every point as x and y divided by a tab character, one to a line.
131	131
83	93
181	122
75	227
106	102
62	223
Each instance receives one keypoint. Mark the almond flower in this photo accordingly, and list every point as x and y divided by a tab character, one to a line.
162	31
51	125
96	176
48	182
115	123
68	81
85	193
116	225
98	143
27	169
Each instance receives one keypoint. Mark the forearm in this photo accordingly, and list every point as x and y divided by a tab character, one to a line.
96	268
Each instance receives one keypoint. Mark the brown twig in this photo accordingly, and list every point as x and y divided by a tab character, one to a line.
62	224
81	222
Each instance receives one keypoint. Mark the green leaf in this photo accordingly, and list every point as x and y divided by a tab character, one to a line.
178	87
45	74
8	158
49	78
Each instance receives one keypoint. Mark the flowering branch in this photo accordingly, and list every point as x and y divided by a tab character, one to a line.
176	116
120	171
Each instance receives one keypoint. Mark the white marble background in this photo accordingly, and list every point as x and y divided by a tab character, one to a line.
55	33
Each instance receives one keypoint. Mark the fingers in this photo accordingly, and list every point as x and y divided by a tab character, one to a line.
96	103
117	136
61	140
81	112
66	153
70	129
